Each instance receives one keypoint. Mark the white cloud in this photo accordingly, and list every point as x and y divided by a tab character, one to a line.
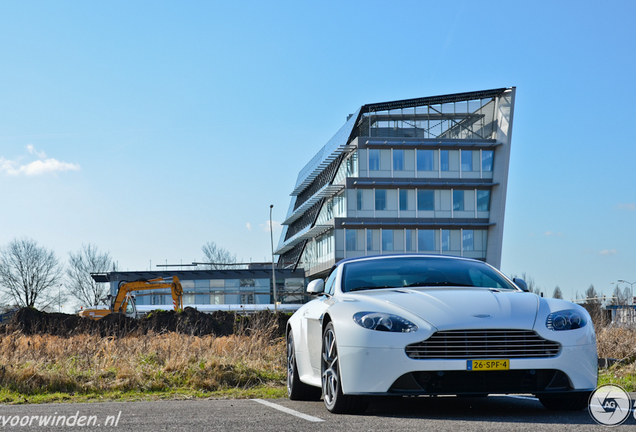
275	225
248	226
626	206
38	167
608	252
32	150
552	233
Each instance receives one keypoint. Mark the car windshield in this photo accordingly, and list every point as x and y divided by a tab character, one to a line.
401	272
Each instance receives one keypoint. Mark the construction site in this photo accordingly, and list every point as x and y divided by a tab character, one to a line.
190	322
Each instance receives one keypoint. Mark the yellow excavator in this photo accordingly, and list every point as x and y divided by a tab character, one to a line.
124	301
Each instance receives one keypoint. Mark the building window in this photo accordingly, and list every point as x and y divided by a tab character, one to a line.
483	200
444	160
374	159
369	240
351	240
380	199
398	160
359	199
425	160
426	240
458	200
247	298
201	298
387	240
468	240
445	240
486	160
425	200
467	160
404	199
410	240
246	283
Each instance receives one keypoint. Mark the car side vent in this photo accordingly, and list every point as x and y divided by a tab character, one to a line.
483	344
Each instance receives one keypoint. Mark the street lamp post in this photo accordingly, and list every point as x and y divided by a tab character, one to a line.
271	234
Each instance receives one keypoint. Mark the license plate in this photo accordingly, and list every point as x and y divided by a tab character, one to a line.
487	365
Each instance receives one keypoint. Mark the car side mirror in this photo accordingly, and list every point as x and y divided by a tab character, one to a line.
316	286
521	284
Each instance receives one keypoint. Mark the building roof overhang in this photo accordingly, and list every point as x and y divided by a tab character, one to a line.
327	191
357	224
432	100
339	142
302	235
396	182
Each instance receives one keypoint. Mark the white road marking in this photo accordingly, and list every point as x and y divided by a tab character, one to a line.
289	411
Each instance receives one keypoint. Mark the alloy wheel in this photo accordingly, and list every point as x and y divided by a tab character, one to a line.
330	377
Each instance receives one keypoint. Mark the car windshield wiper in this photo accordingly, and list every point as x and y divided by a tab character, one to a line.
431	284
369	288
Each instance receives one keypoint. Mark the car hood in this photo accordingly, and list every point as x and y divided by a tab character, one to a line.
462	308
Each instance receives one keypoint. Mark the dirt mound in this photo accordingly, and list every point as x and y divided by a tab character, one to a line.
190	321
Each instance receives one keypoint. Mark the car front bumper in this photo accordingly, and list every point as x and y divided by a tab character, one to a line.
381	371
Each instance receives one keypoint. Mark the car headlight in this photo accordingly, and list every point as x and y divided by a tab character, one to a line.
565	320
384	322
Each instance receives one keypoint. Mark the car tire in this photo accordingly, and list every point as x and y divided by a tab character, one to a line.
565	401
334	400
296	389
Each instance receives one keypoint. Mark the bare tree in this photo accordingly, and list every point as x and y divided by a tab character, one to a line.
627	293
618	297
532	286
218	257
79	282
592	296
557	294
593	305
28	273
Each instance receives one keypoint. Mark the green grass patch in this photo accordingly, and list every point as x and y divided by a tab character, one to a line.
624	377
10	397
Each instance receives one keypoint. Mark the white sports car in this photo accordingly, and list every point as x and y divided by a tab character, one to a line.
433	325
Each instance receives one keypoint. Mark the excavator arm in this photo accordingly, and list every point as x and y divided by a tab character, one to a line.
123	294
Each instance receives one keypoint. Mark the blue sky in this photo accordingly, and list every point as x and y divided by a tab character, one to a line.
150	127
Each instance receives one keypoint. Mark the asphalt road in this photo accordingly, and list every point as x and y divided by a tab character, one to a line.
494	413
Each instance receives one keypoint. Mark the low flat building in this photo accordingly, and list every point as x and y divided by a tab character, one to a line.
227	289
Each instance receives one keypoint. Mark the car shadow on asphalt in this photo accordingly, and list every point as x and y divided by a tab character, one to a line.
505	409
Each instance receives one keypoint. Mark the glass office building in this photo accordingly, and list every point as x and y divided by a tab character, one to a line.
426	175
252	286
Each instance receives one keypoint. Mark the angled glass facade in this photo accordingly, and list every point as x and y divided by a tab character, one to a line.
426	175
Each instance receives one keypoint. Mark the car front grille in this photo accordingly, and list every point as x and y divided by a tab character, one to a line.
483	344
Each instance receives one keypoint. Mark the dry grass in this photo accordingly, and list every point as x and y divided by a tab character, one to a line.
157	362
617	342
92	365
